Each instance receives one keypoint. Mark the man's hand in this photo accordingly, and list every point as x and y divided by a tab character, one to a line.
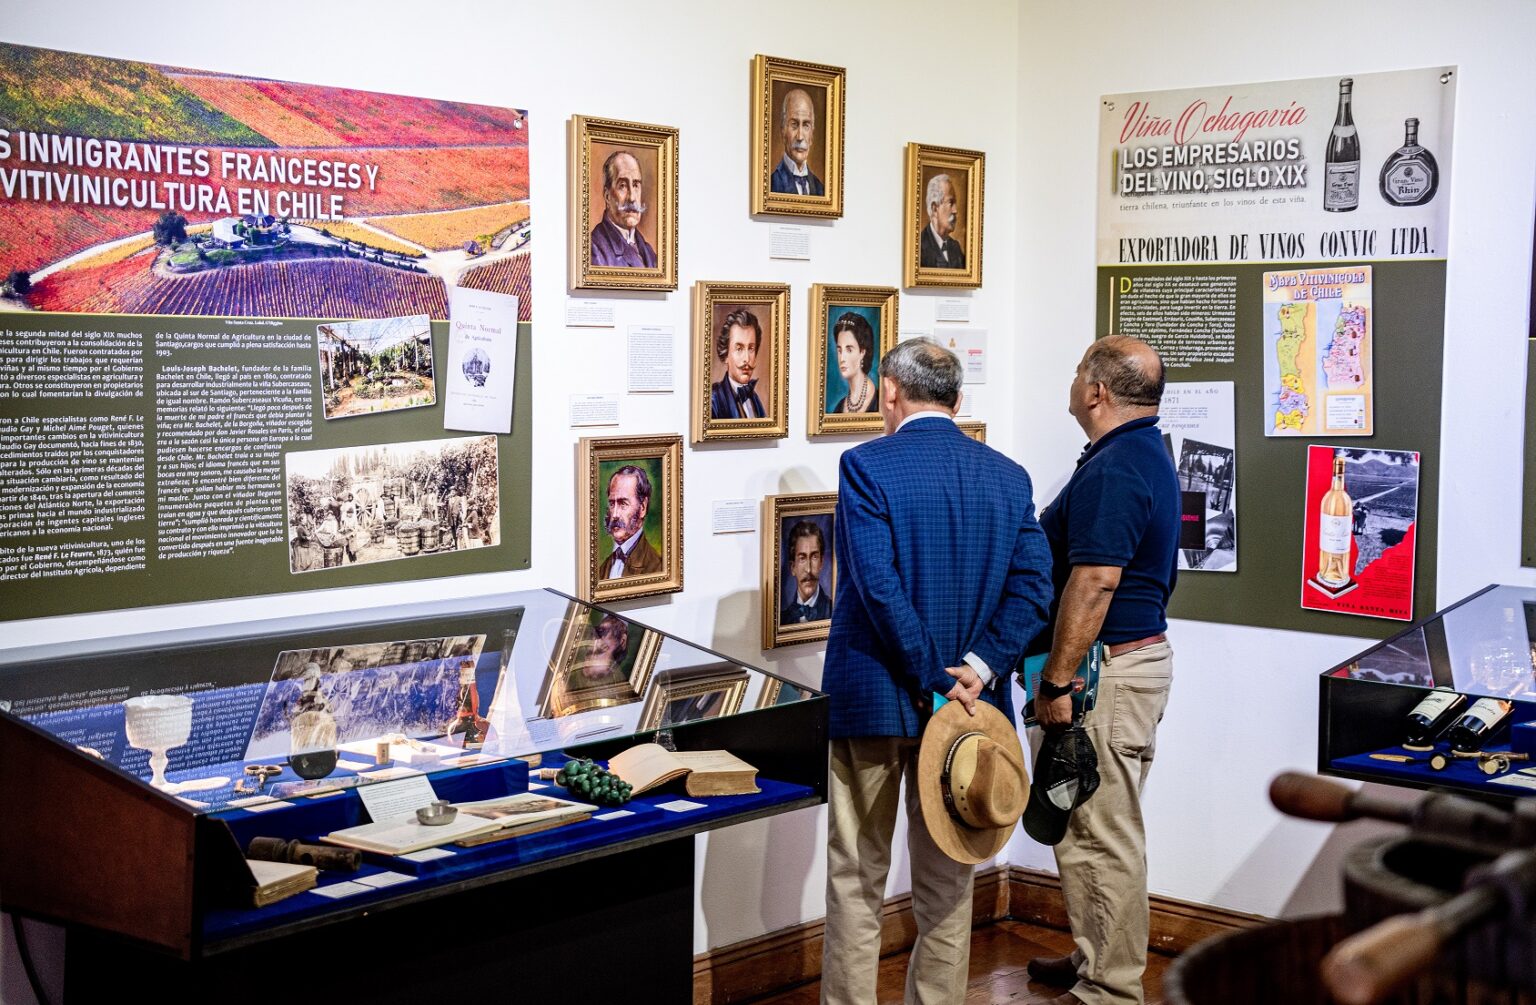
1053	714
966	689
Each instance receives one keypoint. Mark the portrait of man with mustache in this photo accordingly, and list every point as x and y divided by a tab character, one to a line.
629	500
797	126
939	248
616	240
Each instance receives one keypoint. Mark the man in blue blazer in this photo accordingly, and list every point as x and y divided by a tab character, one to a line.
944	577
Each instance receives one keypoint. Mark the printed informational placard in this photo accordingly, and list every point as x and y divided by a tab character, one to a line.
588	313
952	309
788	241
1362	515
594	410
970	347
199	267
482	362
652	350
1264	234
1197	423
733	516
1317	352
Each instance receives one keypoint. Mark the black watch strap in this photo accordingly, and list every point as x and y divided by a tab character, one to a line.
1049	690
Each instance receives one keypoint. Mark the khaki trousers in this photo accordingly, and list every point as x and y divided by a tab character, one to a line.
1103	858
866	776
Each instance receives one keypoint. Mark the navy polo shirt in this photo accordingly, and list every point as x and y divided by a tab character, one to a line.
1121	507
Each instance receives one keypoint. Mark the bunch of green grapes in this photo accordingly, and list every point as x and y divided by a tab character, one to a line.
587	780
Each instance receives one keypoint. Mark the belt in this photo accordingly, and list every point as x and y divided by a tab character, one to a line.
1121	648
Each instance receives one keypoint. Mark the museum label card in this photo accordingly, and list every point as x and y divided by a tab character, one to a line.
970	402
397	799
788	241
427	855
618	814
336	891
594	410
651	352
482	361
733	516
588	313
380	880
952	309
680	806
970	347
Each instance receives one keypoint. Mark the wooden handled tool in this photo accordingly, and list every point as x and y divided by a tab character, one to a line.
1369	966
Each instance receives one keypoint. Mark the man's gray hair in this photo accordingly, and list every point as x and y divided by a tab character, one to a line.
608	168
1109	362
925	371
935	193
784	104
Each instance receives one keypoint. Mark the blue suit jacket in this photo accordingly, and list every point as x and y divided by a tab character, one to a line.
723	404
782	181
939	554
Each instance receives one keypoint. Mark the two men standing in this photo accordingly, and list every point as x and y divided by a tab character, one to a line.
947	579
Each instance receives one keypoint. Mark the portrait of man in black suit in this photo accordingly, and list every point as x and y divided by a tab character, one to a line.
806	553
738	339
629	502
940	250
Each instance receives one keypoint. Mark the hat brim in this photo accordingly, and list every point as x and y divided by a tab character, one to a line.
954	838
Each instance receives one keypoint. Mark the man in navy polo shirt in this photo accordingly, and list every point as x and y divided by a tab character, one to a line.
1114	533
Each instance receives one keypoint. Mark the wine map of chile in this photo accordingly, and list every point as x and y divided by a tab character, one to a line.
1296	334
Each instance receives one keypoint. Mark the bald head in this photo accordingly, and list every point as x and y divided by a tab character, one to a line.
1130	370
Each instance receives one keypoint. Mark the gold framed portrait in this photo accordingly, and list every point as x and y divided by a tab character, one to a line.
799	567
797	137
696	695
851	329
777	691
944	205
974	428
630	534
601	660
740	361
623	200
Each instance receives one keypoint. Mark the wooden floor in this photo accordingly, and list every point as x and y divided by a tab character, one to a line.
998	955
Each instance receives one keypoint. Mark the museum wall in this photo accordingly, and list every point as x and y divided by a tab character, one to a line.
1244	704
682	64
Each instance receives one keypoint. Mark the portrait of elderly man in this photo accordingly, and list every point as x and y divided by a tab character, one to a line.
599	658
629	500
734	396
939	249
797	127
616	240
805	551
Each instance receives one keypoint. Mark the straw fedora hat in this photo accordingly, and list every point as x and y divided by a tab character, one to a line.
971	781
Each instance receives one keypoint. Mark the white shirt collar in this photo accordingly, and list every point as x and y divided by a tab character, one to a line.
925	413
629	546
628	235
796	169
732	381
814	597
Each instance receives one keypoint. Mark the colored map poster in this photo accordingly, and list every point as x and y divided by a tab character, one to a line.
1196	418
1317	352
131	188
1359	548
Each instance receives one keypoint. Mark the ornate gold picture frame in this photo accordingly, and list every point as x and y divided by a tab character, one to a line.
630	533
851	329
601	660
740	361
944	205
799	567
623	205
797	137
974	428
698	695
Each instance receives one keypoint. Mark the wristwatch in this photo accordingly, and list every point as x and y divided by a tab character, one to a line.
1049	690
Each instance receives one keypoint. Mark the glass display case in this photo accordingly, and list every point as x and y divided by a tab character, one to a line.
138	772
1448	703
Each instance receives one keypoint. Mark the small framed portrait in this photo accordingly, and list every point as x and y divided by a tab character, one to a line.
600	660
851	328
694	696
974	428
797	137
741	361
630	534
623	199
799	567
777	691
944	189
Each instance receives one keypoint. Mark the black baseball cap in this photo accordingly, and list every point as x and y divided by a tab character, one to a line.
1066	774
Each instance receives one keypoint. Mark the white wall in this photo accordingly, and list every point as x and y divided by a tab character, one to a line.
684	64
1244	704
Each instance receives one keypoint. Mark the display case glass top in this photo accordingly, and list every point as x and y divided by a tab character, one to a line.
1484	646
303	706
